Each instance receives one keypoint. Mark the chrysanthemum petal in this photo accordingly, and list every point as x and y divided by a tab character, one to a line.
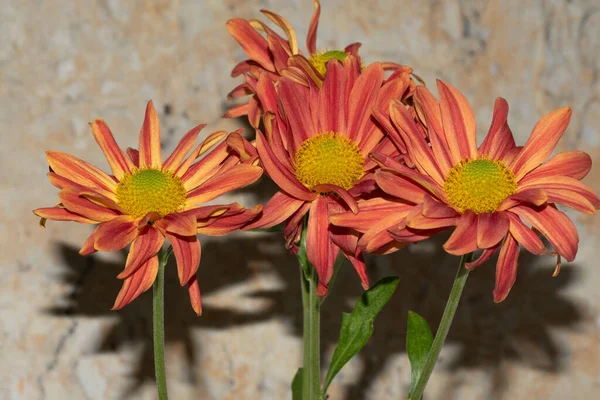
362	98
194	292
115	234
80	205
571	199
318	240
235	218
149	142
279	208
420	152
491	229
253	44
311	37
286	27
278	173
464	238
377	236
341	192
136	284
525	235
499	139
435	209
180	224
332	100
554	225
458	121
506	268
134	156
536	197
399	186
61	214
187	253
295	101
183	147
119	163
88	245
562	186
80	172
418	221
574	164
232	179
346	240
204	212
204	169
146	245
544	137
485	255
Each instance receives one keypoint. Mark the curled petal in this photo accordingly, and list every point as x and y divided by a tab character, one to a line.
146	245
499	139
180	224
187	253
311	37
525	235
235	218
194	292
61	214
88	246
506	268
137	283
485	255
464	238
278	209
254	45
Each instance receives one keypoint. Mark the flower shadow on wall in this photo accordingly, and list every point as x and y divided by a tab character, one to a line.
487	334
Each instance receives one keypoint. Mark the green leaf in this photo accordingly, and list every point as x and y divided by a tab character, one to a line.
357	327
418	344
297	385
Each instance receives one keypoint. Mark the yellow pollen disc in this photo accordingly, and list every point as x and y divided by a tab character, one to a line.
329	158
479	185
150	190
319	60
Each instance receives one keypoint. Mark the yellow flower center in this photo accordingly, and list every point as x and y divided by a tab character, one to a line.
329	158
150	190
479	185
319	60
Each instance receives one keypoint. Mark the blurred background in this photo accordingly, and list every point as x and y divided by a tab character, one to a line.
64	63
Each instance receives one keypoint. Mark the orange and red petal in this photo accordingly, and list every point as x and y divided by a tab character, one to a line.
554	225
235	178
82	173
115	234
253	44
544	137
499	140
235	218
400	187
564	185
282	177
464	238
149	141
194	175
506	268
187	253
363	97
88	245
296	103
483	257
194	292
574	164
118	161
81	205
347	240
183	147
61	214
278	209
318	240
137	283
459	123
491	229
311	37
145	245
181	224
434	209
332	101
525	235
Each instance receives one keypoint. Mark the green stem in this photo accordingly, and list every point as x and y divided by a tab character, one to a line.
158	324
311	373
442	332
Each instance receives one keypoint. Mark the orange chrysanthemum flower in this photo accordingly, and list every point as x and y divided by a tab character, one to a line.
316	150
146	200
277	56
488	193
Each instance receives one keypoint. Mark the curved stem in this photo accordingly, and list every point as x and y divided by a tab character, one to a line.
442	332
311	373
158	324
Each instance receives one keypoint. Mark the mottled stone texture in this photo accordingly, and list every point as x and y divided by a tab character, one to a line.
63	63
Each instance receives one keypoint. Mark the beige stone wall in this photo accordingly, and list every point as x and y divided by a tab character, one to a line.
63	63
